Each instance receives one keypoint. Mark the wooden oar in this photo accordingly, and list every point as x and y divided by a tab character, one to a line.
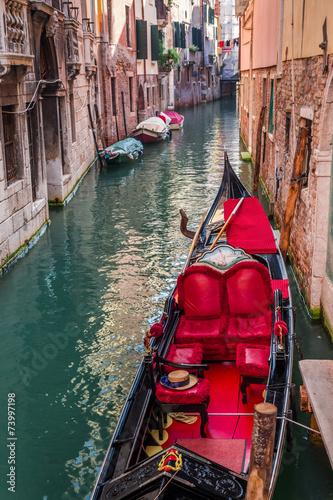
226	224
194	242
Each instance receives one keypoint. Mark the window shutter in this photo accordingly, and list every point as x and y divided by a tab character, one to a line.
205	13
176	38
182	36
194	36
199	40
141	39
154	42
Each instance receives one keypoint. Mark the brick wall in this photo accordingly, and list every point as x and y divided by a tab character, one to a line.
309	92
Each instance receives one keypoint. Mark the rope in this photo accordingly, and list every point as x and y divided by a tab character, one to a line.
297	423
171	478
32	101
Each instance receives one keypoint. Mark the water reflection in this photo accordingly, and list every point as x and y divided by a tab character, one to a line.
74	310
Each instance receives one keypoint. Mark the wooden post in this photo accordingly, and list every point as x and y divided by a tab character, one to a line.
258	149
262	450
294	188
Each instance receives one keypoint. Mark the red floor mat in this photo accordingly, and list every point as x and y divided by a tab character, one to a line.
224	398
226	452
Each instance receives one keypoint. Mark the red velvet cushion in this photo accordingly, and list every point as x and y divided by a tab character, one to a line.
201	291
282	285
252	360
196	395
249	288
203	331
250	329
184	353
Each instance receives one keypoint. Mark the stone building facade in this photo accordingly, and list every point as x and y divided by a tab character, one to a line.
292	83
48	63
78	76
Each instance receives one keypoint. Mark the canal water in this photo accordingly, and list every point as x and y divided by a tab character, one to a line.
74	310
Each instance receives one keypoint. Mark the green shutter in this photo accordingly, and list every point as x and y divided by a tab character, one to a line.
154	42
141	39
176	38
182	36
271	110
205	13
199	40
194	36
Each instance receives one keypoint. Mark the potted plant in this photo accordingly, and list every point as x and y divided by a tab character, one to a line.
168	60
193	48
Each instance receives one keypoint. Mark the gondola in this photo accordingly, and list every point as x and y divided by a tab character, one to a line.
224	344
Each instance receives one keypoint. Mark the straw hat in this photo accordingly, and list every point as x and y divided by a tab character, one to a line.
179	380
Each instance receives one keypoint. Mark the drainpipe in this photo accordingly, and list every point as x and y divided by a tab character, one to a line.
279	61
251	83
293	78
144	61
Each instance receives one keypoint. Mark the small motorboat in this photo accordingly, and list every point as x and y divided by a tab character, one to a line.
123	151
154	129
177	120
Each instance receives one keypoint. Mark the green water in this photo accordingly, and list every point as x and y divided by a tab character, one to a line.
74	310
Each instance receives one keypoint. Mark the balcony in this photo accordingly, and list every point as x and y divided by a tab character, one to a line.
14	42
161	13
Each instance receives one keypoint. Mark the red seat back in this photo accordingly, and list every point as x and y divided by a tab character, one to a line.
201	292
249	289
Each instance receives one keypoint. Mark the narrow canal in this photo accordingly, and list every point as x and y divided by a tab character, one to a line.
74	309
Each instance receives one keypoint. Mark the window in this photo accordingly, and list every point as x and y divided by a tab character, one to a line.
130	88
196	38
155	42
113	96
148	97
153	95
286	147
9	136
271	110
264	92
178	73
208	79
188	74
141	39
72	111
307	155
128	26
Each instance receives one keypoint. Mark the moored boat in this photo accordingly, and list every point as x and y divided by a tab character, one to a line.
177	120
123	151
154	129
224	344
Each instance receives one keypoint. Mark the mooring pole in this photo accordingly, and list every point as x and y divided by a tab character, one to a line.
258	149
124	115
94	135
262	450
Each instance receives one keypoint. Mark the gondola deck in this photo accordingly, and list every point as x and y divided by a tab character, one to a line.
231	307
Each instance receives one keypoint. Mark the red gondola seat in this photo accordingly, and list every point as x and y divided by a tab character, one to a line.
252	362
201	295
250	296
190	354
